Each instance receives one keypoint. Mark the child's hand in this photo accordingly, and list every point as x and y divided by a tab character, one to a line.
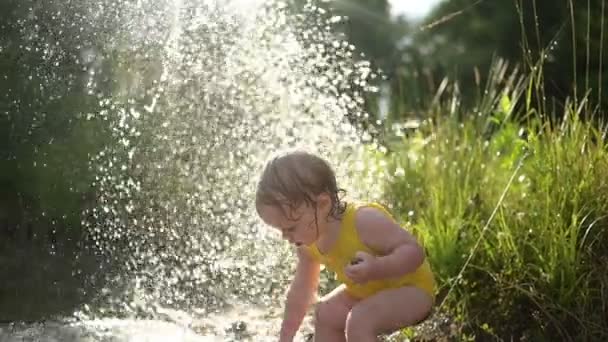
361	267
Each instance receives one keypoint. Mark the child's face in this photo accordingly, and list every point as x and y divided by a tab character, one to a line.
298	227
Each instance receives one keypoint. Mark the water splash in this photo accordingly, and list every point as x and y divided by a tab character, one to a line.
196	96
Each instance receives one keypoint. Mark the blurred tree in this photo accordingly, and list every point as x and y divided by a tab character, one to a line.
375	35
462	36
368	25
46	140
371	30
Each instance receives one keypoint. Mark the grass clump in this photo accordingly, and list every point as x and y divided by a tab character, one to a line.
513	210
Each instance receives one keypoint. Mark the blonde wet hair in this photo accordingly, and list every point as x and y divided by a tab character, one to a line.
298	177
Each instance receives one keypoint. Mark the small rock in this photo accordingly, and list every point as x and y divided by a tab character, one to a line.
238	327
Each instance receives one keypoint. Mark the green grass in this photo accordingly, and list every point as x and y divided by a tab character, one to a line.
512	209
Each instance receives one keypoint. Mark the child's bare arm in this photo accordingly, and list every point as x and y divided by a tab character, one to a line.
399	250
300	295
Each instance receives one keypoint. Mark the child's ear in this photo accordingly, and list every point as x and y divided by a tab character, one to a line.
324	202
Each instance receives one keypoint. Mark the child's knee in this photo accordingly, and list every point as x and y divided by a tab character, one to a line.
328	314
359	323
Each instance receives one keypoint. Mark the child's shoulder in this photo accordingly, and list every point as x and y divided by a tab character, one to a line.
377	228
369	217
370	210
306	254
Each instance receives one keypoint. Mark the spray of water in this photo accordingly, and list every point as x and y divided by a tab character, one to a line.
196	96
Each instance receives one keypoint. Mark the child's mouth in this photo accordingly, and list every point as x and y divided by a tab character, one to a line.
298	244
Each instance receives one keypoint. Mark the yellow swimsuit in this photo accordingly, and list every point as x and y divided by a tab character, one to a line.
348	243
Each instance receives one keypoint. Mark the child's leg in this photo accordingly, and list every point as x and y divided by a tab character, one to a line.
387	311
330	315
